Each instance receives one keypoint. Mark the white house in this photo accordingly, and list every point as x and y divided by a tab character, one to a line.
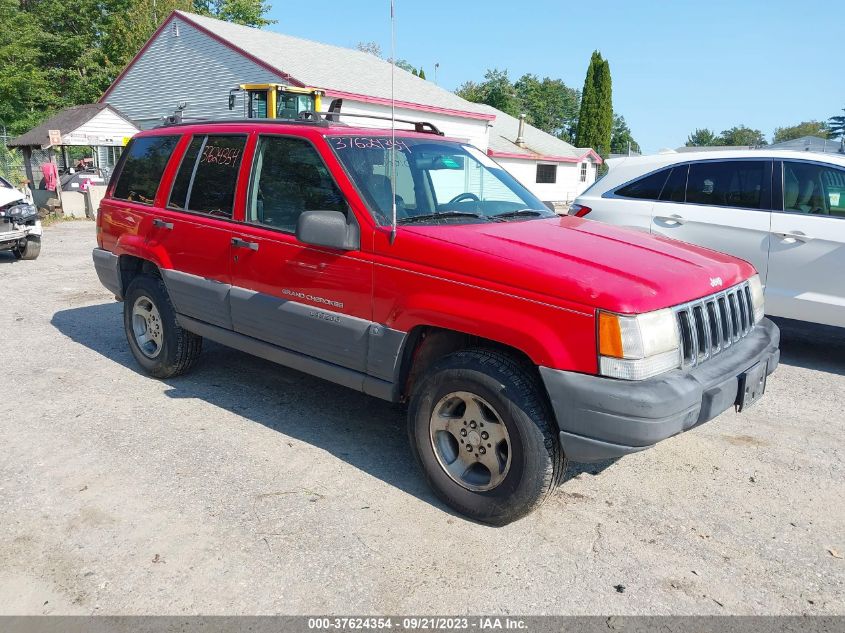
194	60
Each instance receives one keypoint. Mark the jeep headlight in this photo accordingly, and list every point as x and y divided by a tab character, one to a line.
640	346
757	302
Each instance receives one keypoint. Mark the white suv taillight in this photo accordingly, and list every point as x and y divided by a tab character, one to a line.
579	210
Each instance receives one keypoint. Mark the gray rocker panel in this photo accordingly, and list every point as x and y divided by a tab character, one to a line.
199	297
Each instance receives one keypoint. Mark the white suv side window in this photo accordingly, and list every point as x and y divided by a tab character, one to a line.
730	183
814	189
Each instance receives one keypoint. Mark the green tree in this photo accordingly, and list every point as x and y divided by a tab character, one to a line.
55	54
703	137
373	48
595	120
246	12
621	138
131	24
421	74
496	90
836	125
471	91
604	126
549	104
742	135
415	73
805	128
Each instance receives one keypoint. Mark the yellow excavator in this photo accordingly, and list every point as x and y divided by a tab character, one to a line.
276	101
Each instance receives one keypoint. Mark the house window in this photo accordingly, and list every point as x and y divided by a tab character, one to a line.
583	172
546	174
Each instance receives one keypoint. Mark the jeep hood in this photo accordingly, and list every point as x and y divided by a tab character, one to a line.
582	261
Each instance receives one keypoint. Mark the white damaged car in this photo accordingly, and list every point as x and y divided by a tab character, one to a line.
20	228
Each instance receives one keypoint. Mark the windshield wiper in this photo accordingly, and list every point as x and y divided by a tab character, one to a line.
440	216
517	213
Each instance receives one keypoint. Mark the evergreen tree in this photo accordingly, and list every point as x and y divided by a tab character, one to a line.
604	122
595	121
421	73
836	124
415	73
587	116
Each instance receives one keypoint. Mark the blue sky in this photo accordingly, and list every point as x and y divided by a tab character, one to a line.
675	65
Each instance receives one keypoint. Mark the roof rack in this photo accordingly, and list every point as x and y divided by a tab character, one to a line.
242	120
423	127
308	117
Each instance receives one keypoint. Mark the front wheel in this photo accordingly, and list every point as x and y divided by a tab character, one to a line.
30	250
482	432
157	341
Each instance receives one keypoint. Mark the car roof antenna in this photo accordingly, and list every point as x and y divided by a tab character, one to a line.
392	124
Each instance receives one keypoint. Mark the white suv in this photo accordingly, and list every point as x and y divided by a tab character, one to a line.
782	211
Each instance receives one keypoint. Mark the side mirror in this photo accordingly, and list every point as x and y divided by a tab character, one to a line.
328	228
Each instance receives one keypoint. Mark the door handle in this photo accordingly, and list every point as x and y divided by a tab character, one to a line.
239	243
793	236
674	219
161	224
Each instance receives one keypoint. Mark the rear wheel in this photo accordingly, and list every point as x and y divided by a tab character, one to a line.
158	343
30	250
482	432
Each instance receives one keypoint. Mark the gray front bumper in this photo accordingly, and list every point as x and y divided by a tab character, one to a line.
601	418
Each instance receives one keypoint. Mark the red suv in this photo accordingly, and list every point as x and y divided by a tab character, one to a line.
519	338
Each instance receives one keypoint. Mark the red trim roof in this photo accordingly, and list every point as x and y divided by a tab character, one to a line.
410	105
552	159
283	75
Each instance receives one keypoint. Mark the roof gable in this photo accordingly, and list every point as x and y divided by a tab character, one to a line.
68	121
341	72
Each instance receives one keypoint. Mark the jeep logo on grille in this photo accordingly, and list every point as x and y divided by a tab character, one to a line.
715	282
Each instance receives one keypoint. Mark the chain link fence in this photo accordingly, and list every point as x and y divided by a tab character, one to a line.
13	164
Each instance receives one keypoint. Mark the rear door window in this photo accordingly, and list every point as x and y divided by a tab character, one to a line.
745	184
813	188
647	188
208	175
143	166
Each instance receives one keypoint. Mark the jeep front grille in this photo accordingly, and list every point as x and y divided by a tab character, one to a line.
711	325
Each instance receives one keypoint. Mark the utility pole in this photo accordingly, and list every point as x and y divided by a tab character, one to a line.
436	66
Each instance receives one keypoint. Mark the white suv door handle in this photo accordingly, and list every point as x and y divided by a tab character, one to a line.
793	236
673	220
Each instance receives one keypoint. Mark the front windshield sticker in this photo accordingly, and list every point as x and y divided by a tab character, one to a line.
367	142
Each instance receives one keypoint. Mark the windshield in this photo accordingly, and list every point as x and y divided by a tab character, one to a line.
436	181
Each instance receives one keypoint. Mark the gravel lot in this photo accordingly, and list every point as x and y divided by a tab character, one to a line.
245	487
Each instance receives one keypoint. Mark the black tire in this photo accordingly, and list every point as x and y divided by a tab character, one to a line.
537	464
30	250
179	349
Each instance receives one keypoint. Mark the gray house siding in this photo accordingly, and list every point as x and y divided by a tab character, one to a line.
189	67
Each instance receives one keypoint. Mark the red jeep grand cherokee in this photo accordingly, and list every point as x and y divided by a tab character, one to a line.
519	338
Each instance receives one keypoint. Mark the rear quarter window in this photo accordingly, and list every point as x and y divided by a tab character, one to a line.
646	188
143	166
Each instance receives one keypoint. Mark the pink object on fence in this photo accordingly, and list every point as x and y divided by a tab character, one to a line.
51	176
